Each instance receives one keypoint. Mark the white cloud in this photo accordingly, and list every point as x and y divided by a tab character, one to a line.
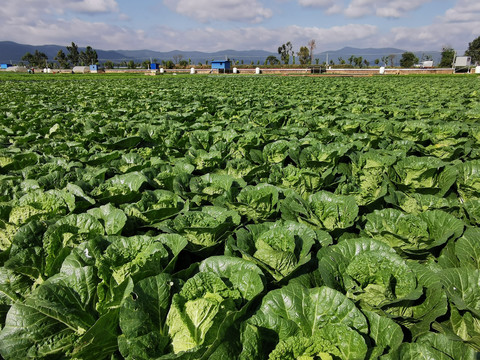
12	8
331	6
44	22
464	11
55	22
457	27
233	10
361	8
35	30
382	8
317	3
210	39
92	6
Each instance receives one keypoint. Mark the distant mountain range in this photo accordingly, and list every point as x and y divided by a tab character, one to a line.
11	53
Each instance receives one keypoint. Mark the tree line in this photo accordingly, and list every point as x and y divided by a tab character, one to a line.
73	57
408	58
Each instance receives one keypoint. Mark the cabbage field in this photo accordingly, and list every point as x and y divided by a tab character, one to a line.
239	217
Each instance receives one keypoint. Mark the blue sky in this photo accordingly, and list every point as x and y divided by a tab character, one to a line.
212	25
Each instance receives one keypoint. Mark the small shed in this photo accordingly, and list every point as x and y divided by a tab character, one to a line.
462	64
154	66
94	69
221	65
5	66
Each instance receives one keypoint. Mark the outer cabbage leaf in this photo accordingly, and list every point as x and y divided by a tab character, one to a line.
241	274
467	249
205	228
415	351
468	181
64	235
54	316
113	219
449	348
332	340
295	310
142	318
387	334
334	260
215	188
418	315
302	180
322	156
472	207
413	233
416	203
155	206
462	287
120	188
257	202
52	201
137	256
424	173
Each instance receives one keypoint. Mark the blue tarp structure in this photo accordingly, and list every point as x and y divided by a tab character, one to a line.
221	64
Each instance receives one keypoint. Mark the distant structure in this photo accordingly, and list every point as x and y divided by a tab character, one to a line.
427	64
220	65
5	66
81	69
95	69
462	64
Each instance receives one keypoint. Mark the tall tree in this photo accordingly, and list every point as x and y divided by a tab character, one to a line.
177	58
89	56
311	45
62	59
73	54
408	59
358	61
109	64
285	51
272	60
303	55
391	58
37	59
474	50
448	56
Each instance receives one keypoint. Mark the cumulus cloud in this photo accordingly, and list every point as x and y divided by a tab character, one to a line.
45	22
61	32
229	10
457	27
464	11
